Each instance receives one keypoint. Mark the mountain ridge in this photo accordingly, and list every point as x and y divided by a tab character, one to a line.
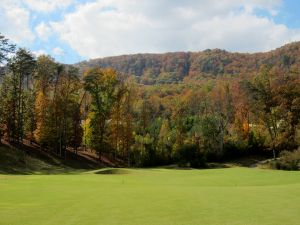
172	67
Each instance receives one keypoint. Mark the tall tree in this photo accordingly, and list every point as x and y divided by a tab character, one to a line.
264	105
287	96
5	48
223	109
7	119
44	81
22	66
101	85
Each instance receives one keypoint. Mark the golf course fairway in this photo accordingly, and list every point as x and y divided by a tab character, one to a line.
233	196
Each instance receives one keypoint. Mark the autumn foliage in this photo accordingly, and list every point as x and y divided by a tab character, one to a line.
156	109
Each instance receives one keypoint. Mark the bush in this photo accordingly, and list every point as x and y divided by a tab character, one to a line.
288	160
234	149
190	155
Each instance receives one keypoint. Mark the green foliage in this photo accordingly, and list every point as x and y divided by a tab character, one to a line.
5	48
101	85
175	105
191	156
7	120
16	94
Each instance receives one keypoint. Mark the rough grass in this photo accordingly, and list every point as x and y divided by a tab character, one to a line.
152	196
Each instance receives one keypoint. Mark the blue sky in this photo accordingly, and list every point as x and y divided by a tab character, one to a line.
75	30
289	14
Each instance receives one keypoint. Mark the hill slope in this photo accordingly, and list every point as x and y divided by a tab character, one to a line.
174	67
29	160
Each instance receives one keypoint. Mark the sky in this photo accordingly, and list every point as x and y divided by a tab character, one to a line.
76	30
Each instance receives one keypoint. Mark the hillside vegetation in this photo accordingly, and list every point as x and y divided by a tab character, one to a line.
196	108
175	67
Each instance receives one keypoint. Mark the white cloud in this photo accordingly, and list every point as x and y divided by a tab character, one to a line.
46	5
58	51
14	22
43	31
39	52
113	27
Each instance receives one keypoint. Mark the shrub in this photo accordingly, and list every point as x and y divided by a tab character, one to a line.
234	149
190	155
288	160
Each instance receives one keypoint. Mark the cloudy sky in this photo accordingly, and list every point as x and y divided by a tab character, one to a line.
74	30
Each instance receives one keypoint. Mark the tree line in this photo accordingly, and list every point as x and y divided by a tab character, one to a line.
57	107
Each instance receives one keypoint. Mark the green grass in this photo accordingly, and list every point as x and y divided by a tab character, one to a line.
152	196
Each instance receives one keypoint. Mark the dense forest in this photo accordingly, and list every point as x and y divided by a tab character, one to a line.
154	109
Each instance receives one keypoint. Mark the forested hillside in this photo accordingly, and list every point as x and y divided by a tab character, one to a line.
174	67
196	107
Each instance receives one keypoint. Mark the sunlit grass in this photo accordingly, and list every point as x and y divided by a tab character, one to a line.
152	196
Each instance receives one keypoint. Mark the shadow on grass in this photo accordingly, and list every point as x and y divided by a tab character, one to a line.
25	161
208	166
111	171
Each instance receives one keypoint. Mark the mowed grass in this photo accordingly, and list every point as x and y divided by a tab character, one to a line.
152	197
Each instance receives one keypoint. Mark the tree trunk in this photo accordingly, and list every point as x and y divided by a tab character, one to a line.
274	152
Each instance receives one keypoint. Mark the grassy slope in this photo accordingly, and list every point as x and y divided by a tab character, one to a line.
15	161
152	196
34	161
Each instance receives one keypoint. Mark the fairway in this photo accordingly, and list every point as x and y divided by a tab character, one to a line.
152	197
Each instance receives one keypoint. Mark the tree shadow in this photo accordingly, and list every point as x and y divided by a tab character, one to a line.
21	159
